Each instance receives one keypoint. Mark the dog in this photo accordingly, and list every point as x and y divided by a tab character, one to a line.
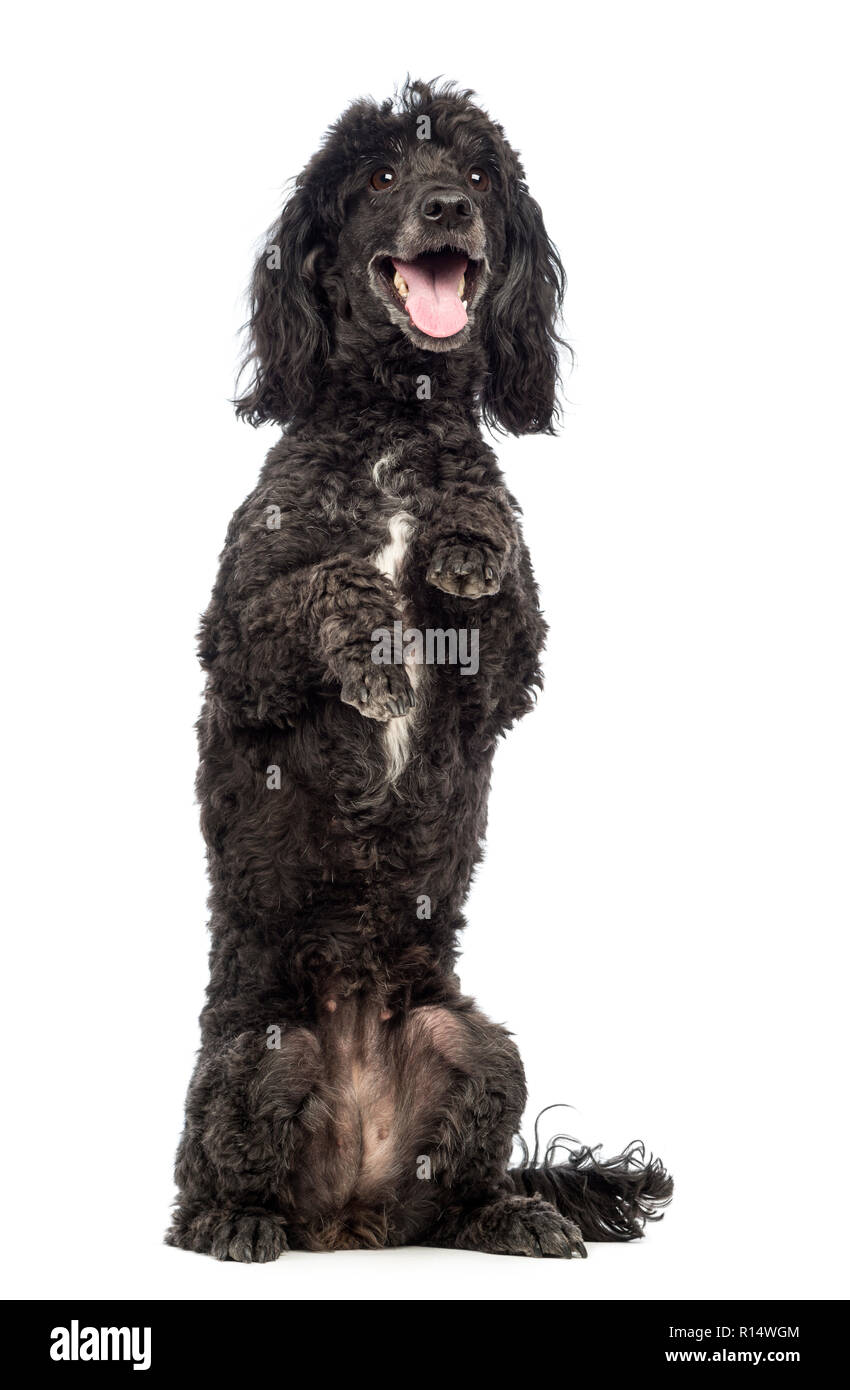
347	1094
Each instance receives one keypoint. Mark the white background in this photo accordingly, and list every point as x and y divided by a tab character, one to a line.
662	914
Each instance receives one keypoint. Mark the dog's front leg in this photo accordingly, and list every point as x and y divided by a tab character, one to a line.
267	651
347	602
472	541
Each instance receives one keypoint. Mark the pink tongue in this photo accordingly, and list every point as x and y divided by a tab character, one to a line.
433	301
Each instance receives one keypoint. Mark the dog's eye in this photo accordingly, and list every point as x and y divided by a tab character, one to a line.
479	179
382	179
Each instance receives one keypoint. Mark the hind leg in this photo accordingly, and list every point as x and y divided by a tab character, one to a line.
506	1225
235	1156
251	1237
480	1209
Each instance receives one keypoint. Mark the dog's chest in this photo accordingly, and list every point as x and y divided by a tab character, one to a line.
398	523
390	556
394	518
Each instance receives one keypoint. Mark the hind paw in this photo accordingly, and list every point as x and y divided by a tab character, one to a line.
522	1226
249	1237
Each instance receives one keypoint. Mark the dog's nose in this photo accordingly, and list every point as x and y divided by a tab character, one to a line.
446	208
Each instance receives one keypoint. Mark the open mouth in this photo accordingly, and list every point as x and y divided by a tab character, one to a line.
435	290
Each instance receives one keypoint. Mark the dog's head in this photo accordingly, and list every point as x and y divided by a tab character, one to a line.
411	225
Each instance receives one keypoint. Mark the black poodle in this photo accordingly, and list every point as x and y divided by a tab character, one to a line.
373	631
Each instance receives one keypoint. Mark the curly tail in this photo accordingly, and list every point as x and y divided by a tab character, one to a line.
609	1199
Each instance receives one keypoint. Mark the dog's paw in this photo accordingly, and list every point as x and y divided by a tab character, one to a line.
522	1226
249	1237
468	571
376	691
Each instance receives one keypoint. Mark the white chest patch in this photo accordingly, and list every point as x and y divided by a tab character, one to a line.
390	558
390	561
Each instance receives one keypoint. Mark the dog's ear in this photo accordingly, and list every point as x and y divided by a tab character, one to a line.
289	323
519	320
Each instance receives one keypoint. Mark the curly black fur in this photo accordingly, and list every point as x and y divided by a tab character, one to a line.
346	1093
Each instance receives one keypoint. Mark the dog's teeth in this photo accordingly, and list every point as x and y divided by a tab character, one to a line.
461	287
465	303
400	285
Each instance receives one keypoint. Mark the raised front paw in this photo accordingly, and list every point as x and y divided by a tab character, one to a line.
467	570
249	1237
522	1226
379	692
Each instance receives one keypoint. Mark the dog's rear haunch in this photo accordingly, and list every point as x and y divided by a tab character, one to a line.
376	1128
347	1094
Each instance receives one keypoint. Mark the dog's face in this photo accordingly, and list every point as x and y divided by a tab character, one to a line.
422	232
411	225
